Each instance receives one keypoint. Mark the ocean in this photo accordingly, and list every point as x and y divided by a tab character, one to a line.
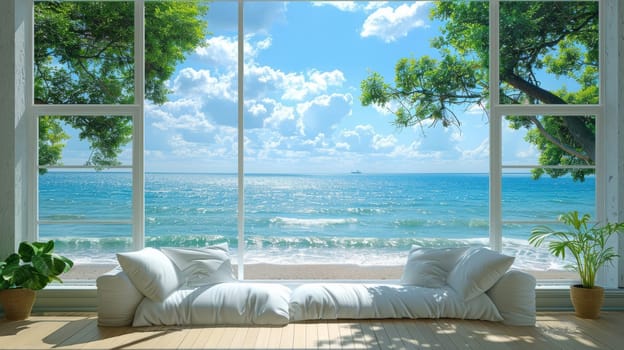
368	219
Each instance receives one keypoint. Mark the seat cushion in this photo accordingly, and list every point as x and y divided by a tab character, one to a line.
328	301
231	303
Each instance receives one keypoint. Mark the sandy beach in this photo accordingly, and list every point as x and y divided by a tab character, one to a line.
265	271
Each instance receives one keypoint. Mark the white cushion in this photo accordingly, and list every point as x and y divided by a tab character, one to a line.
324	301
200	266
429	267
477	271
117	299
514	296
234	303
151	272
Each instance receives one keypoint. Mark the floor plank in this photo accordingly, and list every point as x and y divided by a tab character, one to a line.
554	330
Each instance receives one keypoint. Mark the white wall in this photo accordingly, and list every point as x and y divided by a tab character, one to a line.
14	161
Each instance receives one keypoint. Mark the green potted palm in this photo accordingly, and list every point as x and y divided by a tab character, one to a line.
22	273
588	246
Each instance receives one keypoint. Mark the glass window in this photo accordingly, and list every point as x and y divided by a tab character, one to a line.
328	177
548	169
85	187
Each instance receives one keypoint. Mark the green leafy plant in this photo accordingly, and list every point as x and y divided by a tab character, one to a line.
587	244
33	266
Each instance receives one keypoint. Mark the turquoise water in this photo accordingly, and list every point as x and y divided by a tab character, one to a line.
351	218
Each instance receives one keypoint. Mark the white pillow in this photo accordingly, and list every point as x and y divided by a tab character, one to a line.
201	266
151	272
477	271
429	267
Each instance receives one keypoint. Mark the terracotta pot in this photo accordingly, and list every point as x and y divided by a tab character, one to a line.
17	303
587	301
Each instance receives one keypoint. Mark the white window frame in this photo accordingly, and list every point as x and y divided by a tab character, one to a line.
496	113
135	110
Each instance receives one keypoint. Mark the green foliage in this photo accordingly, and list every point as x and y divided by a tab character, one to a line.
33	266
84	54
587	244
559	38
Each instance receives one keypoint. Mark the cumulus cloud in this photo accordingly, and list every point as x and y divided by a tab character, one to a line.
349	6
482	151
321	114
365	139
192	82
221	52
390	24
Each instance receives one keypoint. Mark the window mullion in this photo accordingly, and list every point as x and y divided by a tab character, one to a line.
241	139
496	240
138	176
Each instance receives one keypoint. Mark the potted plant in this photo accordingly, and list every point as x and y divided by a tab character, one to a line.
22	273
588	246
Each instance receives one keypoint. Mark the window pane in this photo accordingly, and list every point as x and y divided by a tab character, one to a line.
191	196
84	52
92	247
551	141
99	142
536	261
549	52
333	181
190	210
66	196
527	199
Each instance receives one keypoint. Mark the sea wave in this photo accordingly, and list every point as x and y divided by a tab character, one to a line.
312	222
312	250
444	222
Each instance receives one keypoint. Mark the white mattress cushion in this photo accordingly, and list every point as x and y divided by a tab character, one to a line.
151	272
202	266
477	271
232	303
317	301
514	297
429	267
117	298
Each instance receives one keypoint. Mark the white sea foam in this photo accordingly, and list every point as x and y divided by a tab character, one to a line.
312	222
526	257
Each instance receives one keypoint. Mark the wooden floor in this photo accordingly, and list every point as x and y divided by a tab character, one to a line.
554	330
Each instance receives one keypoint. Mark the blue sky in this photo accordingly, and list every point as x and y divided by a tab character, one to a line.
303	64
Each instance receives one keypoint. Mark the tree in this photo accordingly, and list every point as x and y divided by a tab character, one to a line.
559	38
84	54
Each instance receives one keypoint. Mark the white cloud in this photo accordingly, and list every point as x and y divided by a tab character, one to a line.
222	51
351	6
482	151
183	114
191	82
391	24
348	6
298	87
365	140
321	114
